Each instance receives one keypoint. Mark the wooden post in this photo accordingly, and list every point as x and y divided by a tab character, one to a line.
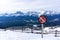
55	33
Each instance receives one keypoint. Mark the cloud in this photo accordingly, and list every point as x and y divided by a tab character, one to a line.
56	19
24	5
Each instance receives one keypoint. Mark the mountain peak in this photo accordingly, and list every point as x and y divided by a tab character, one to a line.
30	13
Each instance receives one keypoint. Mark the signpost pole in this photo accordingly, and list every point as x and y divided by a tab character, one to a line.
42	20
42	30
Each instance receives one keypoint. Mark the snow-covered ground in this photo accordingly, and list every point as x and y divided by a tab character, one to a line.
18	35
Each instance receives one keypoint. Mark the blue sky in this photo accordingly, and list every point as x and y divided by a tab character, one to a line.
26	5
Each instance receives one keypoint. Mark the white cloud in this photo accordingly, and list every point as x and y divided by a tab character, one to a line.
57	19
24	5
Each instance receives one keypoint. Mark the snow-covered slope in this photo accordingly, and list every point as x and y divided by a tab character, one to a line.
12	35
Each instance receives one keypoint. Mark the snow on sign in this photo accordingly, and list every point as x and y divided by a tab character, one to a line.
42	19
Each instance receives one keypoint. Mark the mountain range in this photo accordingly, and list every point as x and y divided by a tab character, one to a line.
29	18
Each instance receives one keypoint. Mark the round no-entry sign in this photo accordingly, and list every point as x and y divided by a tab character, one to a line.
42	19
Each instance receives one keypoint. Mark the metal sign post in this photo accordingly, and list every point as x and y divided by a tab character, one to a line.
42	30
42	20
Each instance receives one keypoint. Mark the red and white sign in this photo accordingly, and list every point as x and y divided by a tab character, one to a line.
42	19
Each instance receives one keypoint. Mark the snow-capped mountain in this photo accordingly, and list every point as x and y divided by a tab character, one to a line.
28	18
30	13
